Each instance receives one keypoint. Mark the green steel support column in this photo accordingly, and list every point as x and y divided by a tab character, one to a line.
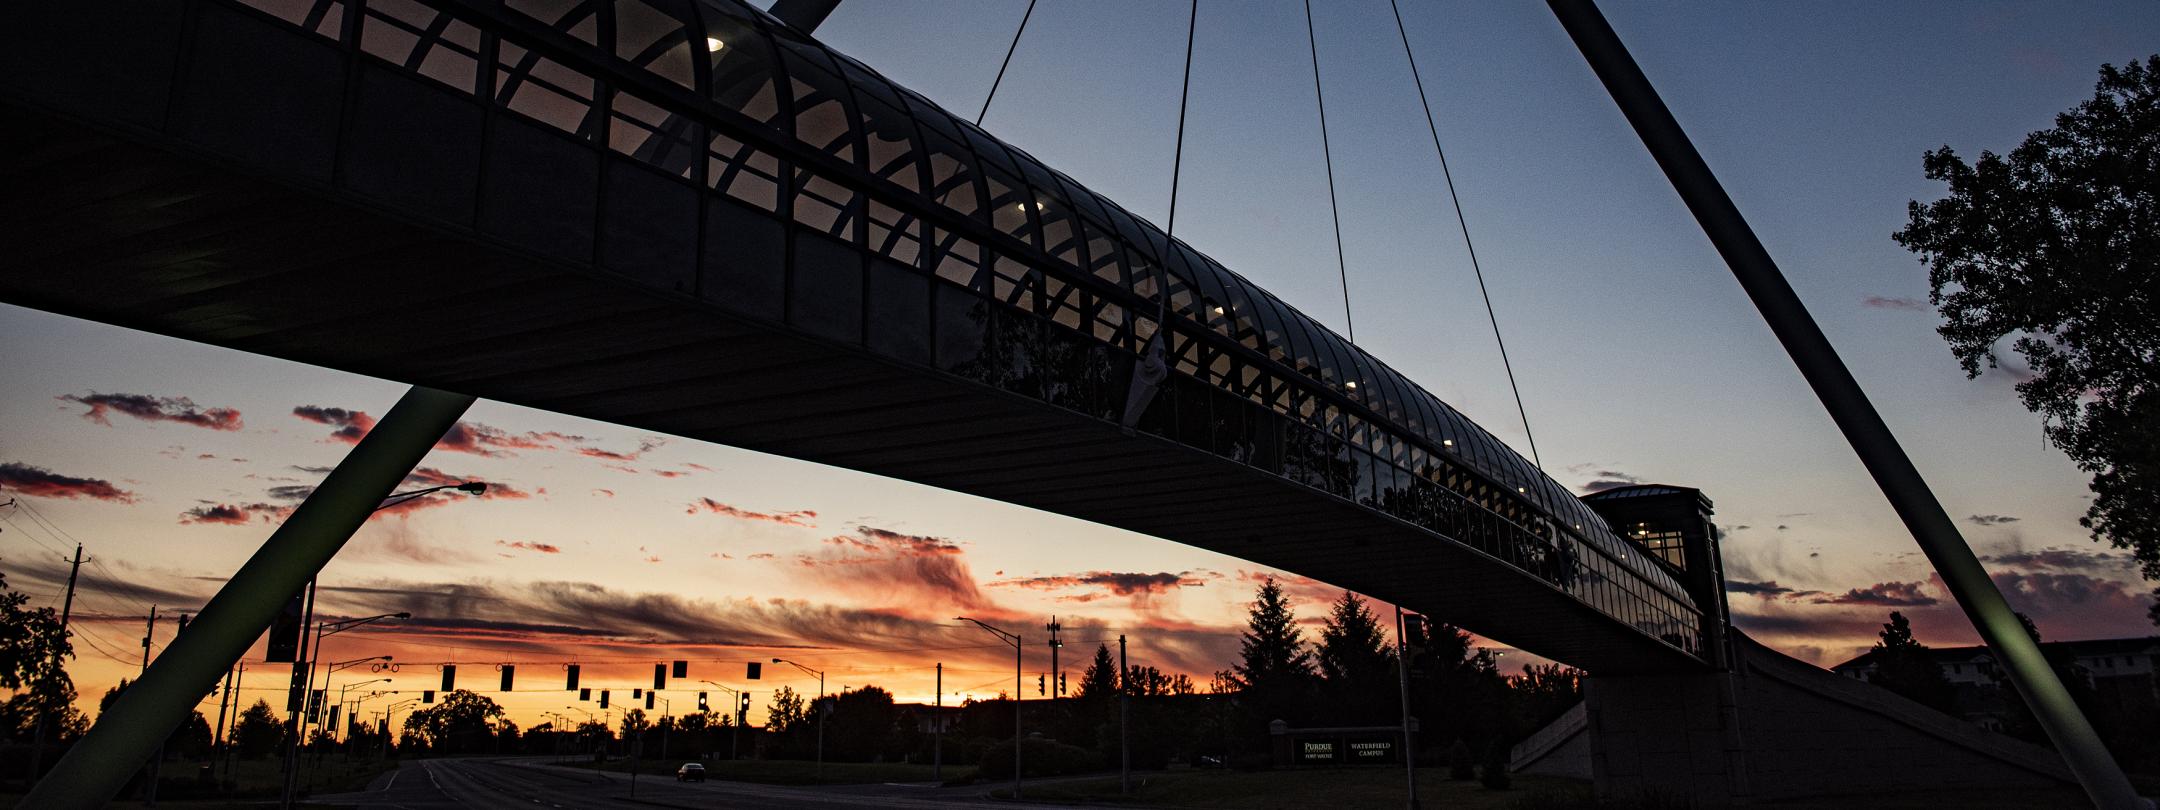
150	709
1849	407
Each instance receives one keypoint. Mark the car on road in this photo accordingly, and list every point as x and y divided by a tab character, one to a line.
690	772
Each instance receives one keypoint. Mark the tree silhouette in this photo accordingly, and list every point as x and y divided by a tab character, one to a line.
1101	679
2056	247
464	722
1907	667
1274	671
258	731
1356	666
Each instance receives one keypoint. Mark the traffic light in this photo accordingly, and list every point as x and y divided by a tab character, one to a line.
649	699
756	668
682	669
659	676
572	669
701	701
636	693
1039	688
603	698
585	695
285	631
427	696
742	709
1061	683
509	672
449	677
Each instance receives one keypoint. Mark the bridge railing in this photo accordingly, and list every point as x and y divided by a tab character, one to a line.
702	148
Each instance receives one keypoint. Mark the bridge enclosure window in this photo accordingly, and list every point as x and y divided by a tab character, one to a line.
324	18
543	90
423	40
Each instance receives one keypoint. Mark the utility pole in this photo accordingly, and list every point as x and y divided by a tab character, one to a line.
303	673
149	628
1057	683
217	741
937	732
1124	719
67	607
1402	684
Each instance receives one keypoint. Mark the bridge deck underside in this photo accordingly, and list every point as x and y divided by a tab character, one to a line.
107	229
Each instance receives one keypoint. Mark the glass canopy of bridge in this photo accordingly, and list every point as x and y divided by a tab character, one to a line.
847	206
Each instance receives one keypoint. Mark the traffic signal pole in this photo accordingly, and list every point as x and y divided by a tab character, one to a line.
95	768
1848	406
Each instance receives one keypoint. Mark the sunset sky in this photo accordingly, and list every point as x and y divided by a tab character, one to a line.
1639	360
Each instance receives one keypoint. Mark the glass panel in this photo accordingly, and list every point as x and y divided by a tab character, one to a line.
577	18
544	90
326	18
1011	207
956	259
952	177
822	109
744	173
891	138
893	234
655	35
825	206
424	40
643	131
742	70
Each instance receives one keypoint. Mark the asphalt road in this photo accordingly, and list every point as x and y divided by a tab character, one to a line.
533	784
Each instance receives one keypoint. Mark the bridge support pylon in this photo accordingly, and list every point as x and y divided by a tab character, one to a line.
93	771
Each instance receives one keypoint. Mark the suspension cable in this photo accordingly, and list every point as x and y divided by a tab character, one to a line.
1177	174
1327	155
1433	125
1005	64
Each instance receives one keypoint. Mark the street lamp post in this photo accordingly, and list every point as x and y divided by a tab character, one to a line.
820	772
589	718
334	731
1014	640
298	723
389	716
742	716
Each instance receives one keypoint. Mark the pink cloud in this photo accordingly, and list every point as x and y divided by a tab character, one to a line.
155	409
38	482
800	518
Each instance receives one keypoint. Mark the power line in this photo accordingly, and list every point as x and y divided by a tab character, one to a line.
1433	125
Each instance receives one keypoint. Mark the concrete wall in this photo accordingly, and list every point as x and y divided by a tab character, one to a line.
1560	749
1775	728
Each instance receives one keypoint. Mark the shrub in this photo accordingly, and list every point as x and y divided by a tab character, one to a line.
1460	765
1494	772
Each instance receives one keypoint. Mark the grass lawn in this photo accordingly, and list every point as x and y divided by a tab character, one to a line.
1292	790
794	772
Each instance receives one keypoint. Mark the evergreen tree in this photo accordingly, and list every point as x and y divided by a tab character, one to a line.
1275	670
1905	666
1356	664
1101	679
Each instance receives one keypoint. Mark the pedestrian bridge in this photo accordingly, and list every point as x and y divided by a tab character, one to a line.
687	217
